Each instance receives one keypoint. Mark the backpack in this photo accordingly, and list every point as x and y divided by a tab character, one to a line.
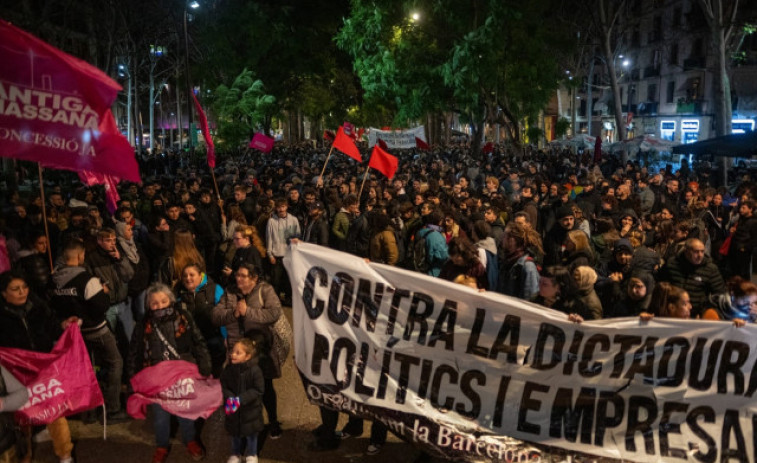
420	261
401	251
492	269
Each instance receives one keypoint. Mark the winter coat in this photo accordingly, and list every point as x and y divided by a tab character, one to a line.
519	277
700	281
147	349
339	229
744	239
317	231
244	380
384	247
32	326
359	237
437	252
115	273
278	233
200	303
586	277
263	310
76	292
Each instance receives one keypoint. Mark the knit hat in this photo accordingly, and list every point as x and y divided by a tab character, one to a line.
623	245
563	211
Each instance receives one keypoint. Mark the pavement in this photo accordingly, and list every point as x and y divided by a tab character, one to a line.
133	441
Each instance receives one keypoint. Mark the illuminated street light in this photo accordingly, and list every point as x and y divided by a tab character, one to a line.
626	63
194	5
415	16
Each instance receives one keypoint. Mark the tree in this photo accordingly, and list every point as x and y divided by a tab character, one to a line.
721	21
242	109
606	19
486	60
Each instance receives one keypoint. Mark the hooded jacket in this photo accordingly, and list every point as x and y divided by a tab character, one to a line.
76	292
585	278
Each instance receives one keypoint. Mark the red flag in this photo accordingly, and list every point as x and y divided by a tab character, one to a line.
360	133
488	148
111	192
381	143
60	383
345	144
56	109
205	132
262	143
383	162
421	144
328	135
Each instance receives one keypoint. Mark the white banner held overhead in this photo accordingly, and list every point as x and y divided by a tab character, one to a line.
455	371
396	138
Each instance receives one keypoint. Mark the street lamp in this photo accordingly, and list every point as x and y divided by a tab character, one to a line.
415	16
123	71
156	52
193	5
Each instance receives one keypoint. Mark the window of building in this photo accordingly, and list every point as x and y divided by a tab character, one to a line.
677	15
652	92
674	54
670	91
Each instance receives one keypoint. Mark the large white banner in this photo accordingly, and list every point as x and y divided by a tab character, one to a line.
461	373
396	138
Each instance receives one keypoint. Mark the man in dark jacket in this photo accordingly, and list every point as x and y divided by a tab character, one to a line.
316	225
554	241
694	272
77	293
743	241
114	271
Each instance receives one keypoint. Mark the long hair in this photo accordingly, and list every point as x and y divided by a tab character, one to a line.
663	295
564	279
463	247
525	237
236	214
185	252
580	240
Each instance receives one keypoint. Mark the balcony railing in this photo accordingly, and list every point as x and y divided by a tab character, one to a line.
690	107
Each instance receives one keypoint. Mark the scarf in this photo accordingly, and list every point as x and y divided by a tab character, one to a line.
128	246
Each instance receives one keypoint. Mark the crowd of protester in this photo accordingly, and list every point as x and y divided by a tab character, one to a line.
198	260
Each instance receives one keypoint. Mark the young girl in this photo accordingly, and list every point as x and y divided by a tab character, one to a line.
242	382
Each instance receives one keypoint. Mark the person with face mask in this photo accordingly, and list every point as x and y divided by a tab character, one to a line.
168	332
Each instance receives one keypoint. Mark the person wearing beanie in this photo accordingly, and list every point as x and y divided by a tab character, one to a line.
554	241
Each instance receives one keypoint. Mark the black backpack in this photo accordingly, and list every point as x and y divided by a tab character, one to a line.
401	251
420	261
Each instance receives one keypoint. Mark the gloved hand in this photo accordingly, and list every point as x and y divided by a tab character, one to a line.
232	405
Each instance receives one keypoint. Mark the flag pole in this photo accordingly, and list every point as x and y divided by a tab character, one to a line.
215	184
359	195
320	177
44	216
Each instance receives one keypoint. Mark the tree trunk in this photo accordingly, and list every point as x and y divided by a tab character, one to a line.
620	126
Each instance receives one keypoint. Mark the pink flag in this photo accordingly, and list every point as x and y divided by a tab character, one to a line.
111	192
178	387
60	383
205	132
55	109
262	143
349	130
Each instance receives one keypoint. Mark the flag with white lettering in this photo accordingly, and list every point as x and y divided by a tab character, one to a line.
55	109
464	374
60	383
178	387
